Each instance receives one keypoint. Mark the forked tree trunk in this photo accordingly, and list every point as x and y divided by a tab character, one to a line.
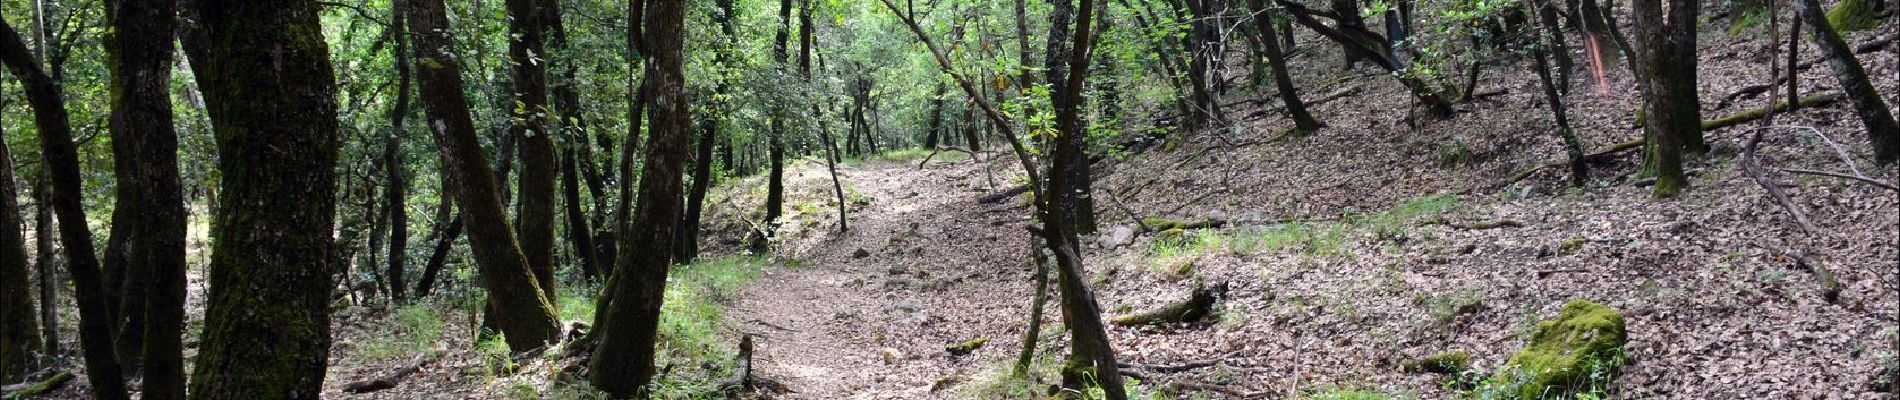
577	161
61	161
1573	148
268	87
623	363
525	316
1665	48
141	122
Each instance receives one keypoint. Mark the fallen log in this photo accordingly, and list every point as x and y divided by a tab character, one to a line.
1830	285
31	389
1476	226
387	381
1004	194
1199	304
1157	224
1707	125
1755	114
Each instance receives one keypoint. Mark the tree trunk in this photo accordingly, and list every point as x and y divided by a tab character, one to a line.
1673	117
271	95
449	232
1550	32
396	195
1034	334
1204	67
525	317
686	249
575	161
824	132
775	183
46	258
61	161
1881	128
154	302
623	364
534	215
1077	203
1303	121
19	335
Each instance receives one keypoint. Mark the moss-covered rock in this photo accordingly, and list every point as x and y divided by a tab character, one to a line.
1579	351
1450	362
1853	15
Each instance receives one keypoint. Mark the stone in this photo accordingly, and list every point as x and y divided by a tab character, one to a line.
1118	237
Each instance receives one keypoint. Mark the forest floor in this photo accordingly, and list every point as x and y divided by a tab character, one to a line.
1346	253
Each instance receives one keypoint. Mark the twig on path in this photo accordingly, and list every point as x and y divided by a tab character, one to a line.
771	325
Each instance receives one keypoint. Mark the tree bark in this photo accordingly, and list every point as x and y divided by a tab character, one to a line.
534	215
19	335
61	161
271	95
46	258
525	317
141	122
623	364
1874	115
686	249
1673	117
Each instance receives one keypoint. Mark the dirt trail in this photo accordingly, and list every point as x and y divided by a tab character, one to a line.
866	314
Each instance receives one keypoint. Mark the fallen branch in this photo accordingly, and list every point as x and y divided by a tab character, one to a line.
1170	369
386	381
25	390
1476	226
1751	164
998	197
1862	179
1156	223
1755	114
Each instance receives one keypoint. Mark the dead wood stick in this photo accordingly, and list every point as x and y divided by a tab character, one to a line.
1476	226
386	381
1751	164
1862	179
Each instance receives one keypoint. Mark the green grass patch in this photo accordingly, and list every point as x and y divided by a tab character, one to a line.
416	328
690	321
1354	394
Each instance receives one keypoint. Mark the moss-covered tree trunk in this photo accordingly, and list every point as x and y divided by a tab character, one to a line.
61	161
269	90
1666	51
1303	121
1092	353
527	54
623	363
141	121
1874	115
19	334
523	314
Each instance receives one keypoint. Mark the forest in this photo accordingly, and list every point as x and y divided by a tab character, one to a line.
949	199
